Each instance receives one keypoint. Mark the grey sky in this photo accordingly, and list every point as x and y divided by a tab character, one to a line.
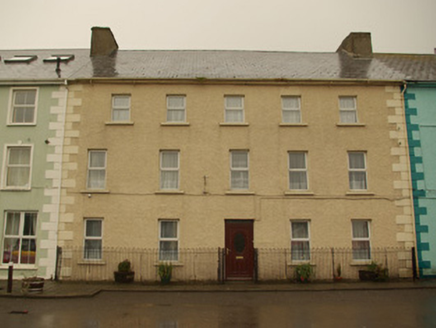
399	26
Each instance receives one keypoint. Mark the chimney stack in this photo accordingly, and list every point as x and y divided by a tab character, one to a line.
103	42
357	44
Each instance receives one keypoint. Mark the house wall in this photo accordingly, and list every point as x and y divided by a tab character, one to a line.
132	204
421	116
46	138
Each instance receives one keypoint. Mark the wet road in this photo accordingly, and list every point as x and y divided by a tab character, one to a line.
407	308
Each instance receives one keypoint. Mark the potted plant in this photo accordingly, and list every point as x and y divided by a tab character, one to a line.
338	276
374	272
32	284
124	273
165	271
303	272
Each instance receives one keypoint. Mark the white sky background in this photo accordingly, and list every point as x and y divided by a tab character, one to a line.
397	26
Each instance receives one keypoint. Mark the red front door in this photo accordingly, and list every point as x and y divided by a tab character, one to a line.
239	250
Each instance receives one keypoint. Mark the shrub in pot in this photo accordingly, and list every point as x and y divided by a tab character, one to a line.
125	273
165	271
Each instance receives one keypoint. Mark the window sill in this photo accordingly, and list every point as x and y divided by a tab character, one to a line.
95	191
350	125
297	263
234	124
173	263
290	125
15	189
91	262
359	193
299	193
360	263
22	124
119	123
240	192
5	266
169	192
175	124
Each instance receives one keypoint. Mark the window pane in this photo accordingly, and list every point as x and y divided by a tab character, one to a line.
176	115
297	160
121	101
291	102
12	224
97	159
300	230
297	180
170	160
300	251
356	160
239	160
169	180
168	251
18	177
291	116
348	116
93	249
29	224
361	250
234	115
28	251
360	229
25	97
234	102
176	102
10	250
239	180
23	115
357	180
93	228
120	115
19	155
96	179
347	102
168	229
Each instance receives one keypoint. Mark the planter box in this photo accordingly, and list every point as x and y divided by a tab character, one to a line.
366	275
124	277
33	284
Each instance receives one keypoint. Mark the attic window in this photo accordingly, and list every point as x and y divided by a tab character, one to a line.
21	59
54	58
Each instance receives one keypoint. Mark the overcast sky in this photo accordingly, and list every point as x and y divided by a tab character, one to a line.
398	26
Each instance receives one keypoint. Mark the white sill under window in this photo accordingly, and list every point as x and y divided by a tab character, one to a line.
91	262
345	125
119	123
240	192
169	192
175	124
234	124
296	125
299	193
359	193
95	191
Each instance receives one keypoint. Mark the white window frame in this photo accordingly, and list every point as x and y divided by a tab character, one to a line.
239	169
122	108
295	110
228	109
6	167
11	110
361	239
305	170
20	236
304	257
173	257
175	108
347	110
92	238
98	168
357	170
169	169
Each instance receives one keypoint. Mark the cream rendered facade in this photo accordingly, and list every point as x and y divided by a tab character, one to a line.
132	203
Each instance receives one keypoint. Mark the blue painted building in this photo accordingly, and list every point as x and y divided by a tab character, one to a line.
420	106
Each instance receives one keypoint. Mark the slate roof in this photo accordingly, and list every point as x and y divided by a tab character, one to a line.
217	64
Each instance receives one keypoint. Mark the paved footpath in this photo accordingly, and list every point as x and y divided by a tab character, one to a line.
66	289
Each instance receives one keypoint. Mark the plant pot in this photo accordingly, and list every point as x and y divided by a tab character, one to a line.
124	277
366	275
33	284
165	279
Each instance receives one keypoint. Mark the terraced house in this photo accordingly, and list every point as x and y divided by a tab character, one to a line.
235	164
33	97
231	165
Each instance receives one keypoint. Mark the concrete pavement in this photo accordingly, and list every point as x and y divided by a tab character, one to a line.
67	289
